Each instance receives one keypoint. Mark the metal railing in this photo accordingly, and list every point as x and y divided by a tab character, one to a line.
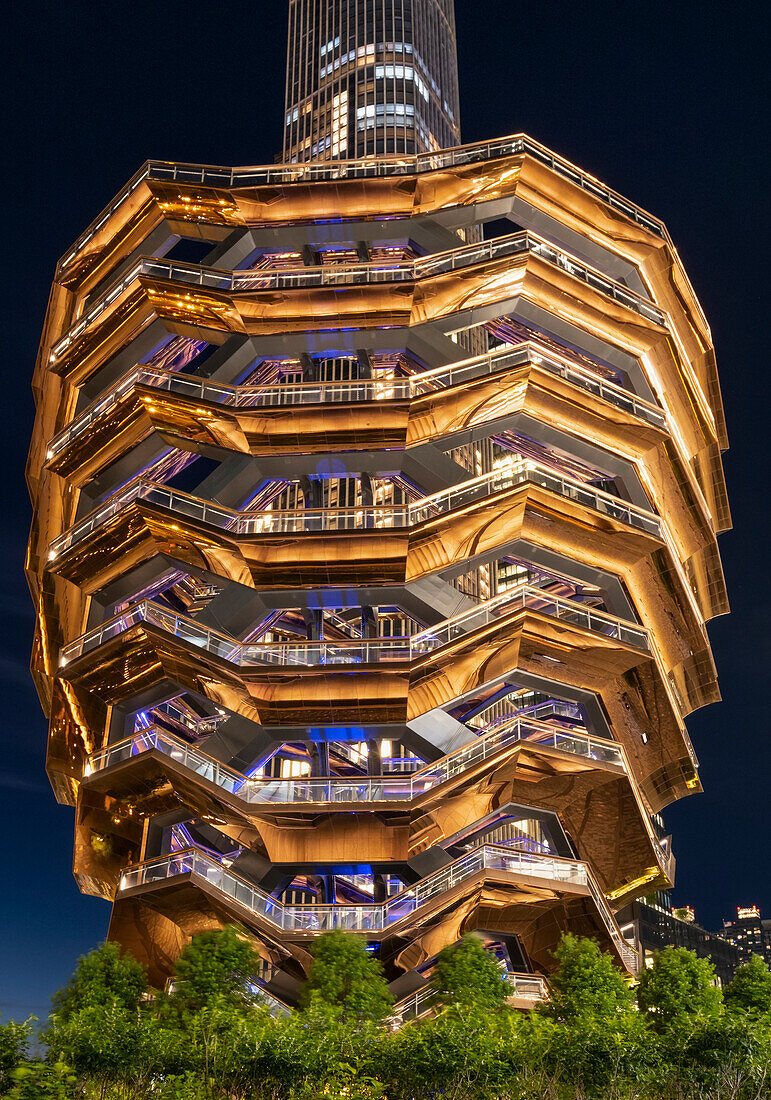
440	263
371	389
377	917
198	724
358	651
309	172
308	520
344	789
526	987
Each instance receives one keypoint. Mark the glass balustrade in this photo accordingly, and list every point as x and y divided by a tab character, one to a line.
373	917
361	390
358	651
344	789
378	917
307	520
442	263
213	176
337	790
525	987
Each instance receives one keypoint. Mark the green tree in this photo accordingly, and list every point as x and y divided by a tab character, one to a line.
214	965
678	990
467	974
750	990
103	977
719	1056
14	1040
343	973
38	1081
587	983
115	1047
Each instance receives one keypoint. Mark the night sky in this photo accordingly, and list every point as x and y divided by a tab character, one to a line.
665	102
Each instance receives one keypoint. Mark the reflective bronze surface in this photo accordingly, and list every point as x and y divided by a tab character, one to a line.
615	299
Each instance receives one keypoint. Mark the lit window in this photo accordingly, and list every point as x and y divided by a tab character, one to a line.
291	769
339	140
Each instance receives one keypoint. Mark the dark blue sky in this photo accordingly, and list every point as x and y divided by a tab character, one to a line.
665	102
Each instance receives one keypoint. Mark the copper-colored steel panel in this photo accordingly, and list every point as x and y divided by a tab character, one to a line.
535	910
483	284
401	556
644	696
635	698
595	802
545	190
395	425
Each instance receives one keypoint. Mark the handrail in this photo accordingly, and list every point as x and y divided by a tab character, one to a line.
306	520
346	789
342	790
527	987
211	175
439	263
204	723
357	651
380	916
365	389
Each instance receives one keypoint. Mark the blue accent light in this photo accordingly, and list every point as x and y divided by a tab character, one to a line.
323	734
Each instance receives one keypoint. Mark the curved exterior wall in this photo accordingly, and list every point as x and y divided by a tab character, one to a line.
372	567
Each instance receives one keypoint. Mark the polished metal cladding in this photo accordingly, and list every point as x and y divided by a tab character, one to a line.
373	552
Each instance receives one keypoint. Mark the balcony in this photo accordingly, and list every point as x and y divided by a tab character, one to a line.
357	789
371	651
309	172
305	520
437	795
397	914
524	990
364	390
442	263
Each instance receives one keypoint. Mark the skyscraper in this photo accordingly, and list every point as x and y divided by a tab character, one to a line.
370	77
374	535
749	932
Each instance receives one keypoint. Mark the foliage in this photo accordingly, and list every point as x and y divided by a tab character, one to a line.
103	977
719	1055
678	990
209	1041
466	974
750	990
587	983
110	1045
38	1081
344	974
214	965
14	1040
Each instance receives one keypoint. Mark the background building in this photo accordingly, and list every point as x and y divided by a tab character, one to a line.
373	546
749	932
370	77
651	926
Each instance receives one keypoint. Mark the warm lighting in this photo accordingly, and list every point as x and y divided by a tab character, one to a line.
540	486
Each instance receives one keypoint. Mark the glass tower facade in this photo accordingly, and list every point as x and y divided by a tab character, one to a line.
370	78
